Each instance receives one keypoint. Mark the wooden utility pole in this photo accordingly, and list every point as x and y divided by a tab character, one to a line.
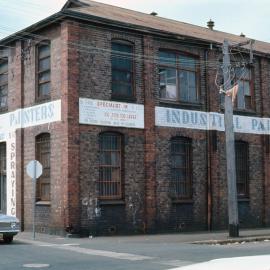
230	150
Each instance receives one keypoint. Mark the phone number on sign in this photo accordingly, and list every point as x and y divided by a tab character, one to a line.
120	116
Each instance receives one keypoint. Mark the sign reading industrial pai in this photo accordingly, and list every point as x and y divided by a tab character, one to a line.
110	113
168	117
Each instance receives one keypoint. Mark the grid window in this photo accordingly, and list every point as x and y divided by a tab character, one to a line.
3	83
243	99
110	147
242	174
181	187
178	77
44	72
43	155
122	70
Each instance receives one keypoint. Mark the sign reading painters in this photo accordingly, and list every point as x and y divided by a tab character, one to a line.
110	113
27	117
168	117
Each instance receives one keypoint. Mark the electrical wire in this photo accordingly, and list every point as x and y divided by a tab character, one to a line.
92	49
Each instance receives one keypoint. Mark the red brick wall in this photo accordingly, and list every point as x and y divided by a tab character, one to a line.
80	70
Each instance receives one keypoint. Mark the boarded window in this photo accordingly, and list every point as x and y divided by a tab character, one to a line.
181	187
3	83
44	71
110	175
177	77
122	70
242	173
43	155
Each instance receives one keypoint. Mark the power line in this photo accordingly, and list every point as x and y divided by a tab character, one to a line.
90	48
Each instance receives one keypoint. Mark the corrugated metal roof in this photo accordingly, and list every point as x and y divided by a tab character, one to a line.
139	19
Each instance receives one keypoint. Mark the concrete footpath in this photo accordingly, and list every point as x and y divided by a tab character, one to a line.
218	237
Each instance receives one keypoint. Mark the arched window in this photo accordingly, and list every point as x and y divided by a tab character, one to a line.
43	155
181	184
241	163
122	69
43	71
110	169
3	83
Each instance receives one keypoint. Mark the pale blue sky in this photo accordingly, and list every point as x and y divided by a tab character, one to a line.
234	16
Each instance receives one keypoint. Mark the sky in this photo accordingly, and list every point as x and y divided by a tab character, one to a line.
250	17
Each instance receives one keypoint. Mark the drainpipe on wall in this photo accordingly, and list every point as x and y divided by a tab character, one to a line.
263	142
208	152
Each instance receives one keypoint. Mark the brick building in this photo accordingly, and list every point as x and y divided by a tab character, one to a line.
123	111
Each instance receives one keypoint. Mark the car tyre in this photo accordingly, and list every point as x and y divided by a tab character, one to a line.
8	239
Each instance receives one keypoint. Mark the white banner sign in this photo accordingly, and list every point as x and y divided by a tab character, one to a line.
27	117
110	113
168	117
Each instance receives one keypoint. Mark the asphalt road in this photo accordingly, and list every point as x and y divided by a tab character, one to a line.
135	252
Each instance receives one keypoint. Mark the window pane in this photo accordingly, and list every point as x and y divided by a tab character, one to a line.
122	69
187	62
240	96
3	67
167	82
242	73
122	63
44	76
121	76
166	58
3	78
3	90
110	142
241	160
43	155
246	87
44	89
122	48
120	89
179	147
44	51
3	101
179	161
180	168
122	57
44	64
45	192
110	166
187	82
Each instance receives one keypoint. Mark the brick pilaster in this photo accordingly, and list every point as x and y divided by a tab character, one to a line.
150	140
70	117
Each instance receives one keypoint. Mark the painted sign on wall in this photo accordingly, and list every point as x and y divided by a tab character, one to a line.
11	174
110	113
27	117
168	117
